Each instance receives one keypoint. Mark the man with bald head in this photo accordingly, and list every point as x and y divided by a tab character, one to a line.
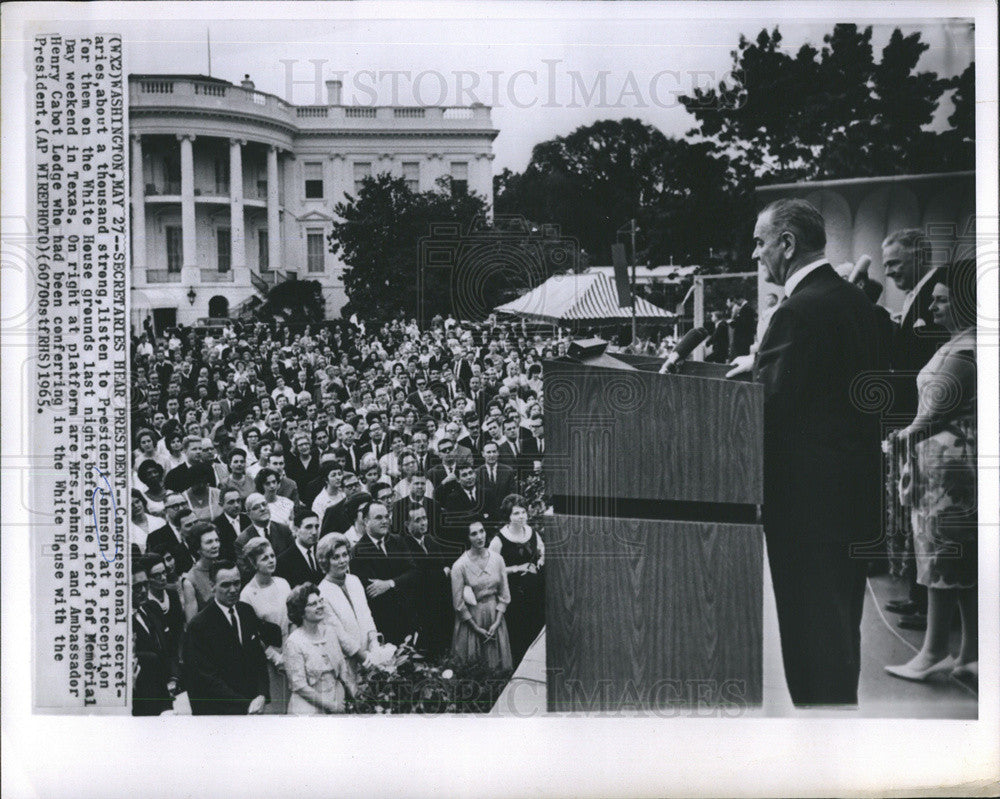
822	471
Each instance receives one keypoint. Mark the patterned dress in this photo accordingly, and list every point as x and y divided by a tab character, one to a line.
944	478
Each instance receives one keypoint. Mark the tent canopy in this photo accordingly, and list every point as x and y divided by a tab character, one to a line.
587	297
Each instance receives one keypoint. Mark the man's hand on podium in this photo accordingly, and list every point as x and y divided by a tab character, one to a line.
742	364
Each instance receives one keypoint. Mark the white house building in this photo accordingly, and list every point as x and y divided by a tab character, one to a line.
233	190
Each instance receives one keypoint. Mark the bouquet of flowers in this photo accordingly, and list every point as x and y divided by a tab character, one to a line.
401	680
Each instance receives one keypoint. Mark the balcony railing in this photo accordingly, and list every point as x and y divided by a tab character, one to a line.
160	189
191	92
213	276
162	276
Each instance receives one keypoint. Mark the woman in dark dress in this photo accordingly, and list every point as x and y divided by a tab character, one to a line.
524	555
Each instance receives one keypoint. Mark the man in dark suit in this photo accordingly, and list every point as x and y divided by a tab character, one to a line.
432	591
225	665
461	501
298	564
171	537
261	525
447	469
495	481
743	326
718	340
821	453
230	522
151	688
387	571
179	478
415	498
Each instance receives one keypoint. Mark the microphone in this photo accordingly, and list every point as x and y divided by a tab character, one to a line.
684	347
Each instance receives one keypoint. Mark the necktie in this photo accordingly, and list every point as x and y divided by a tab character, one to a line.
493	475
312	560
236	624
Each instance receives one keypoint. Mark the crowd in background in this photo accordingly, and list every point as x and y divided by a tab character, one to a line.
304	501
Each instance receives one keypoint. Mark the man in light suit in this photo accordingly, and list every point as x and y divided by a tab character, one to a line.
821	452
226	669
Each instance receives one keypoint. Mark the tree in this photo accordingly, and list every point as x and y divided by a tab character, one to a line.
831	113
379	236
593	181
297	301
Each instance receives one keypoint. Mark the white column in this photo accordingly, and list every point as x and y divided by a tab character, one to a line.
189	271
237	236
138	211
273	217
483	181
339	178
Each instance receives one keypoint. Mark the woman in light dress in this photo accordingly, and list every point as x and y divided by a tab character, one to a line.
348	604
268	595
318	674
480	595
940	484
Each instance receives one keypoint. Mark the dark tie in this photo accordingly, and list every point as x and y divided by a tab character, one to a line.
236	624
493	475
312	560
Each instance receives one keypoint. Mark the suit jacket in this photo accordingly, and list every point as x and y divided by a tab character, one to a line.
494	493
179	478
150	695
223	674
822	457
278	534
508	458
351	455
744	327
436	475
400	511
719	343
229	532
293	566
303	476
162	539
393	611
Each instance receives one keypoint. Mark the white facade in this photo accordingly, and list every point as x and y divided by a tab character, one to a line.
202	243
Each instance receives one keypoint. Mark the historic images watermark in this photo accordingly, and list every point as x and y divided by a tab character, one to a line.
547	84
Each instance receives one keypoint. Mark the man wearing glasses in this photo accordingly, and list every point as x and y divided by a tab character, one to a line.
170	537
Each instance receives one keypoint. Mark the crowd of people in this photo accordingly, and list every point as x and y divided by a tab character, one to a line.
305	501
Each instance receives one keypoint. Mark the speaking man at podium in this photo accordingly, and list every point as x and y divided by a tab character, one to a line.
821	452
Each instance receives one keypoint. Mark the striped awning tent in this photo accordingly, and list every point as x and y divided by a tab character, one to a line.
587	297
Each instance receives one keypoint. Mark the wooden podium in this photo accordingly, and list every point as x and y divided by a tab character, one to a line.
654	562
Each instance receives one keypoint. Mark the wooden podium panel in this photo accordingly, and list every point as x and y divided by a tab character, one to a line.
616	433
650	614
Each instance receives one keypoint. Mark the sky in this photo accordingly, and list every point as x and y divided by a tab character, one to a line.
539	66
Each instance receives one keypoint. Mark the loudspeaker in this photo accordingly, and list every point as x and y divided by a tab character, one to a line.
586	348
